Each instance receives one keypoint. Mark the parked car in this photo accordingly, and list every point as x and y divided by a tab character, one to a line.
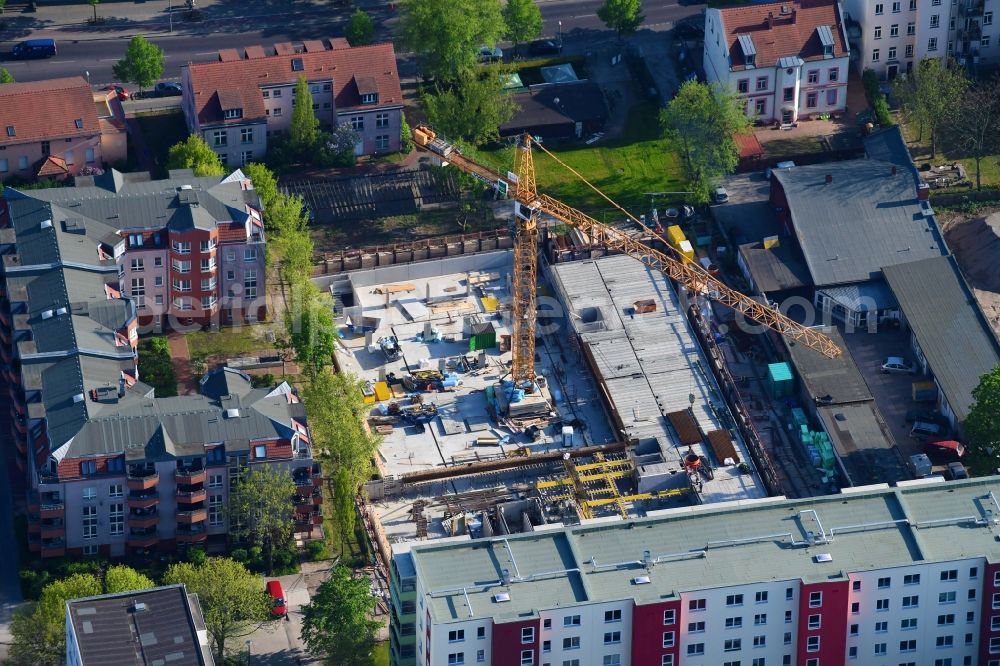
487	54
897	365
545	47
278	606
925	415
720	195
921	430
167	89
671	214
780	165
32	49
945	450
120	91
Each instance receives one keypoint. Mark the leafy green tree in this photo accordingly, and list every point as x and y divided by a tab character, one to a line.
524	21
142	64
405	135
94	3
975	130
157	367
930	94
303	135
194	153
882	114
5	76
622	16
121	578
337	624
3	3
473	108
446	34
699	124
38	632
360	29
311	330
264	182
341	145
290	242
982	426
262	511
232	599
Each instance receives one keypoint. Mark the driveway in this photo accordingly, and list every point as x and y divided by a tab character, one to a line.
278	643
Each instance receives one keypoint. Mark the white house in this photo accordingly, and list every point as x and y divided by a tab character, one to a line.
788	60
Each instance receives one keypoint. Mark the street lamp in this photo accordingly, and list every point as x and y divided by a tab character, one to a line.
88	77
170	14
249	645
560	32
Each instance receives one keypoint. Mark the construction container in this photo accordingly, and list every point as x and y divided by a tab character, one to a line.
647	305
686	250
924	391
567	436
483	336
780	380
675	235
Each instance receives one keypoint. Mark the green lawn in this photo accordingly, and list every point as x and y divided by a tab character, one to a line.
160	131
921	150
636	162
229	341
380	657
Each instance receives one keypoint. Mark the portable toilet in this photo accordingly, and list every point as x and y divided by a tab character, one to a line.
780	380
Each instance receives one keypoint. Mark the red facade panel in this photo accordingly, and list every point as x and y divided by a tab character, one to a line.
649	624
508	645
832	632
990	587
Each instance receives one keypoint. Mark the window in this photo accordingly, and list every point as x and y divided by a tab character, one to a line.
22	163
249	254
116	490
230	275
789	593
760	641
571	643
935	20
246	157
787	638
892	53
908	623
668	639
988	18
813	76
208	284
232	114
786	660
696	605
276	112
571	662
894	30
696	649
985	41
480	655
789	94
734	622
613	616
880	649
911	601
369	98
883	583
831	95
972	593
527	657
815	599
220	138
208	265
854	630
571	621
815	621
995	645
944	641
743	85
943	662
138	291
157	261
137	264
881	627
734	600
381	120
546	646
788	616
181	285
215	514
908	51
761	83
879	9
896	6
932	44
89	522
215	481
732	645
949	575
527	635
669	617
181	248
811	100
456	658
158	299
382	142
760	106
876	54
696	627
612	660
877	33
250	283
759	619
852	652
358	123
834	74
855	607
667	660
208	302
951	23
116	518
812	644
881	604
612	637
908	645
946	597
911	579
480	632
88	467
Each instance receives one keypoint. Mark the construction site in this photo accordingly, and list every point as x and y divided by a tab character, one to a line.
518	391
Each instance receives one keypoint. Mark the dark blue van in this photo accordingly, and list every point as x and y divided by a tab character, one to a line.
34	48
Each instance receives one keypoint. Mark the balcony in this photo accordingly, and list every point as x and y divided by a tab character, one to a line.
53	548
34	543
142	479
192	516
53	529
192	534
191	495
143	539
143	500
189	476
150	518
51	509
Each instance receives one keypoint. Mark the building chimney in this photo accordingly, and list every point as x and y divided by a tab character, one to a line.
893	169
770	20
829	178
923	192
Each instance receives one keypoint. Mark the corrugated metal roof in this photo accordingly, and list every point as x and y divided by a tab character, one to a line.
862	297
825	35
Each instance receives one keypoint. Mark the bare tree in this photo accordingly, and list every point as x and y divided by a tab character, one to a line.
974	131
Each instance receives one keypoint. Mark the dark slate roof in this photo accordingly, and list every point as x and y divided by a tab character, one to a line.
163	629
838	378
558	103
888	145
775	269
866	218
953	334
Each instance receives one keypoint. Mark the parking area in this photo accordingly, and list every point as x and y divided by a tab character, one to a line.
892	393
278	642
748	215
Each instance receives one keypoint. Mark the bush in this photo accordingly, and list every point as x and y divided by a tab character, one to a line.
882	115
317	551
157	368
869	80
239	554
196	556
262	381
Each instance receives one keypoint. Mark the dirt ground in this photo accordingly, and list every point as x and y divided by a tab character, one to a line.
975	241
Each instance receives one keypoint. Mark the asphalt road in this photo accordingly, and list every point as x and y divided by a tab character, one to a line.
578	21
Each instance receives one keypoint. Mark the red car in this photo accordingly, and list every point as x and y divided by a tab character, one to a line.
277	594
120	91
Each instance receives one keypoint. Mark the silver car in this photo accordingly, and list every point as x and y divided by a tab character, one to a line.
897	365
720	195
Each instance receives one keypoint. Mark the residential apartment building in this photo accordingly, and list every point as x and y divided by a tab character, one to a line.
161	625
239	102
890	36
58	127
874	576
786	60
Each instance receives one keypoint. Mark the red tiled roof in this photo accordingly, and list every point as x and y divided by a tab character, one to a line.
52	166
375	63
748	145
49	109
230	233
793	32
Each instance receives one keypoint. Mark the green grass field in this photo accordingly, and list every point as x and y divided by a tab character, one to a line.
625	168
921	150
229	341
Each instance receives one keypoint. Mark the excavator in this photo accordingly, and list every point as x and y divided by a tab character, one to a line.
520	186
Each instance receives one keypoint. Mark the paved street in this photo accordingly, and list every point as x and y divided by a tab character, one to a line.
278	642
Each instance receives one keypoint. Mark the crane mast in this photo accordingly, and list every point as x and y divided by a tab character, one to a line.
687	274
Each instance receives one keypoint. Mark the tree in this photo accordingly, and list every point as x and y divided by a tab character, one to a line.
446	34
405	135
360	29
290	242
38	633
3	3
121	578
157	368
311	330
264	182
473	108
622	16
262	512
930	94
341	144
700	123
303	134
982	426
975	129
232	599
337	624
5	76
194	153
524	21
94	3
142	64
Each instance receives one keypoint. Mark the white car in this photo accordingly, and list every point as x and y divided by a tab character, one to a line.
720	195
487	54
897	365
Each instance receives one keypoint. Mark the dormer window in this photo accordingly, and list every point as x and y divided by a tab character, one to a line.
79	123
297	65
369	98
751	60
231	114
10	131
828	50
